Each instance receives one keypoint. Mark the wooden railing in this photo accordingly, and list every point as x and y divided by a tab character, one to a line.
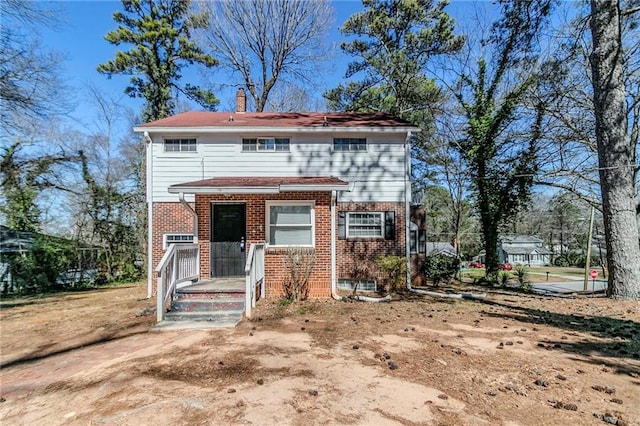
180	264
254	277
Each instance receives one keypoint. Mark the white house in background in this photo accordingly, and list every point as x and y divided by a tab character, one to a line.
335	184
524	249
441	247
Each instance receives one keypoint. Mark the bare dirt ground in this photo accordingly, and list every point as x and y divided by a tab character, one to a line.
513	359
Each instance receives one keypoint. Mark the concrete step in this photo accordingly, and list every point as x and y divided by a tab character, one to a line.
186	293
221	318
193	304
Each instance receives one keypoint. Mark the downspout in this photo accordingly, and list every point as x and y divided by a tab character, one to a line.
407	206
149	188
333	247
192	212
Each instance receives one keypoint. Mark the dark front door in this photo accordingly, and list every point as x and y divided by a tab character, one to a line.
228	228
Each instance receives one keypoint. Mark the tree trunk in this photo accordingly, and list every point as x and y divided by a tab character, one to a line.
615	152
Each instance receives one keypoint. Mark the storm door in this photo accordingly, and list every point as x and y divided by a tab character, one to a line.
228	231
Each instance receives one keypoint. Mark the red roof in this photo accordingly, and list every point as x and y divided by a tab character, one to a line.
279	119
277	184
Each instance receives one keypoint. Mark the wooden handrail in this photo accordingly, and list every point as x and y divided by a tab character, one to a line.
180	263
254	275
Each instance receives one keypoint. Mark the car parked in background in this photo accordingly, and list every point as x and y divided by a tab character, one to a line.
475	264
505	267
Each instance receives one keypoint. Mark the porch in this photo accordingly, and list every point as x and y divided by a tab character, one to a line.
186	301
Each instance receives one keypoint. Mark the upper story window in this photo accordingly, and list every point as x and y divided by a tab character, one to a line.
265	144
180	145
349	144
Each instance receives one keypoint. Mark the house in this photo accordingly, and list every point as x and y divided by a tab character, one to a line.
234	186
522	249
15	245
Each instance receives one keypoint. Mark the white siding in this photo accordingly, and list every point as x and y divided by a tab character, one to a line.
377	174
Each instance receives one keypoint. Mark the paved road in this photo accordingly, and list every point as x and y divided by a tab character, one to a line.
568	287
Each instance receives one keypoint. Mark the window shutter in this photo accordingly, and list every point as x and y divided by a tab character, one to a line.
342	225
390	225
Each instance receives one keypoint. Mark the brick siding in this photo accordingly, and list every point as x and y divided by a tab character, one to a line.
361	252
173	218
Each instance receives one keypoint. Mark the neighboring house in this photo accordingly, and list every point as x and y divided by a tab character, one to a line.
15	244
522	249
334	184
441	248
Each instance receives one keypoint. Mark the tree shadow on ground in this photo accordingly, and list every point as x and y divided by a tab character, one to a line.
597	336
43	352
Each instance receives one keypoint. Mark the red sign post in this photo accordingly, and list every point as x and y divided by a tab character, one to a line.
594	274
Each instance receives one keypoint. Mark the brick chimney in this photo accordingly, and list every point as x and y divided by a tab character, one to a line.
241	101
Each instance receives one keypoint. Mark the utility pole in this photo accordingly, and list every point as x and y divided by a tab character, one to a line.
587	261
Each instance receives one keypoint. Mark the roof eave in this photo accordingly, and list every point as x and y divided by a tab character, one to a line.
256	189
267	129
224	190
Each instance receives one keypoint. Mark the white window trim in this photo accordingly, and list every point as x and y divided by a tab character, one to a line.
267	228
374	237
333	145
165	243
258	138
164	145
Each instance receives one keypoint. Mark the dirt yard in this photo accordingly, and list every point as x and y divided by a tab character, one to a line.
513	359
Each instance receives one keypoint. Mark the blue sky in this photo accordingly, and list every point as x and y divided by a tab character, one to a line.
81	41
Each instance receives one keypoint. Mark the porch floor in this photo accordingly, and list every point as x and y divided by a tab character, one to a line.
233	284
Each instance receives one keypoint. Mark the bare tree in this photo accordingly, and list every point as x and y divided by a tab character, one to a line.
264	42
30	86
616	149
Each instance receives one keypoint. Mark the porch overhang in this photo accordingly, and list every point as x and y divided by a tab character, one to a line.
260	185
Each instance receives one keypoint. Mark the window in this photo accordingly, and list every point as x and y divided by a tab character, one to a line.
176	238
417	239
265	144
180	145
290	223
362	285
349	144
365	224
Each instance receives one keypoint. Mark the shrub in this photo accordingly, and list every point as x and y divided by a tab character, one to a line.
299	262
521	275
396	269
503	278
440	267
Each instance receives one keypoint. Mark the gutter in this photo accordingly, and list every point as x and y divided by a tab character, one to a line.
333	248
407	207
149	187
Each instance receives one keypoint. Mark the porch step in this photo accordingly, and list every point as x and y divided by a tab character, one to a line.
195	293
207	304
220	319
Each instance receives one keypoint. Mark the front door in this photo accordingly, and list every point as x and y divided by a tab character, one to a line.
228	228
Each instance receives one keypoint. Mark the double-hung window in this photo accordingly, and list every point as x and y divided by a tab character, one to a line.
180	145
349	144
265	144
290	223
365	224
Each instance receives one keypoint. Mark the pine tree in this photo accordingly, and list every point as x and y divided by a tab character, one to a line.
159	32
